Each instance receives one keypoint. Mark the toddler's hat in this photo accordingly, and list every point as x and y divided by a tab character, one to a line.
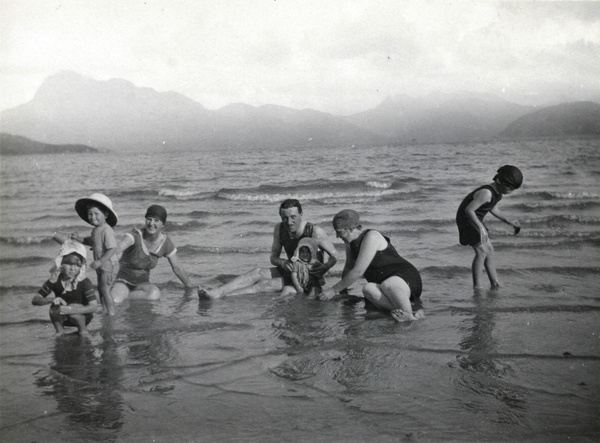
346	219
81	206
311	244
510	176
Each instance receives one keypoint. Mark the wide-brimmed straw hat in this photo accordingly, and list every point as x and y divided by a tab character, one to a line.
81	206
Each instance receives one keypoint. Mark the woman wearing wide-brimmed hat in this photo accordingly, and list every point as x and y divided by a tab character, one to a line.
141	250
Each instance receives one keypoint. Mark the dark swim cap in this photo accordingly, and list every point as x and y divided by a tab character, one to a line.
346	219
510	176
157	211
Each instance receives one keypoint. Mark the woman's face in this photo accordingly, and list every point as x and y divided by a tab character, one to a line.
153	225
345	234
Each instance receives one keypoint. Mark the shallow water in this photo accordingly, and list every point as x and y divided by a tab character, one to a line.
520	363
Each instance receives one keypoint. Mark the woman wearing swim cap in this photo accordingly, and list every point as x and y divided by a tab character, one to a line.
469	219
141	250
394	284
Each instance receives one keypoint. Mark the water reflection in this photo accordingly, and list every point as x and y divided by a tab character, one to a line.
148	346
487	372
479	340
85	381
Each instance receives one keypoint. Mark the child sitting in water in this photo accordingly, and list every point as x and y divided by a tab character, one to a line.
472	230
300	266
74	301
97	210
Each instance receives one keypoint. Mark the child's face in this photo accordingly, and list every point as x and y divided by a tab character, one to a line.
304	254
505	189
71	265
95	216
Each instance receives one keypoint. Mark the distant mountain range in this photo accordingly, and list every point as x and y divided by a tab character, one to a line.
70	109
17	145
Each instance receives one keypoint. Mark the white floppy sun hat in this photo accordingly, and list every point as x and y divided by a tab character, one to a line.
81	206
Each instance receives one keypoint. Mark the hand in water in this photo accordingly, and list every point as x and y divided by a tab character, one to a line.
327	294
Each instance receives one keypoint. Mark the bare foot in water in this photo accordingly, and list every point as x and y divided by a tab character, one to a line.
207	293
400	316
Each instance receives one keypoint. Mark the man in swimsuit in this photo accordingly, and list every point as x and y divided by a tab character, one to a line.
286	236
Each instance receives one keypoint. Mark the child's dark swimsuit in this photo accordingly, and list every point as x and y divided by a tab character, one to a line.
82	294
388	263
469	234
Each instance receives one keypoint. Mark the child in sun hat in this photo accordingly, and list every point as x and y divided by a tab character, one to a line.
97	210
469	219
74	301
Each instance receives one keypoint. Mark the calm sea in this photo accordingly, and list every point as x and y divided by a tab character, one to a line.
518	364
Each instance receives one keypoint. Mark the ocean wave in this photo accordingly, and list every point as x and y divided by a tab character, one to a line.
548	195
561	206
184	194
538	309
449	271
378	184
192	250
132	194
319	191
28	261
569	242
562	219
199	214
26	240
316	196
29	289
187	226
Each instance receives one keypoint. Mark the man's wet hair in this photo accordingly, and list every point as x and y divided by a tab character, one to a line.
291	203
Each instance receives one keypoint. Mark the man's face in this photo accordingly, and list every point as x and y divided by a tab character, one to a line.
291	218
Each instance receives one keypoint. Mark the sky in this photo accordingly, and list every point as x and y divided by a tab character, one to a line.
337	56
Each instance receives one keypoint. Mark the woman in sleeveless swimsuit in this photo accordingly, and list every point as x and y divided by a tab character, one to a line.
141	250
393	283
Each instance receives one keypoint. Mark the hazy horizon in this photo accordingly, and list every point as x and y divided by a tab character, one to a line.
340	57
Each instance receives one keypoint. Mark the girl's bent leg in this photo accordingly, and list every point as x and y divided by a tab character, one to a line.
145	291
481	251
57	319
490	266
119	292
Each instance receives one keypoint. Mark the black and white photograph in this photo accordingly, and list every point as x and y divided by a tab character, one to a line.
299	221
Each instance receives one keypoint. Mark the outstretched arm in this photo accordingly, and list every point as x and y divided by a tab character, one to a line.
500	216
179	271
322	239
372	243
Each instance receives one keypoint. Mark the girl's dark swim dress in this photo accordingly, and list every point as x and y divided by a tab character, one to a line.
469	234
